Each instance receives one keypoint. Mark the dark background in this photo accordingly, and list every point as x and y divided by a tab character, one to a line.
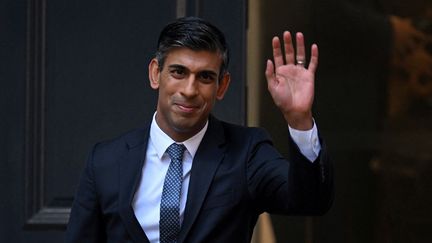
73	73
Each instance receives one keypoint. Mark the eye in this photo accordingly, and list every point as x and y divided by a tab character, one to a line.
207	77
178	73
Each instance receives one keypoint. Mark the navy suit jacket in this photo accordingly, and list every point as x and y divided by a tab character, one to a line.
236	175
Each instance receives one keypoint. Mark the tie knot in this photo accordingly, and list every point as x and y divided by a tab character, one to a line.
175	151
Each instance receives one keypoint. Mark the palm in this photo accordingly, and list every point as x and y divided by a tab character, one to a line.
292	88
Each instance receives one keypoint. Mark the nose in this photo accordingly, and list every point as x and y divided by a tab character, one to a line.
190	88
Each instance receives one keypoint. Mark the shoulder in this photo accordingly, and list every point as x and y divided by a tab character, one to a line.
124	142
240	133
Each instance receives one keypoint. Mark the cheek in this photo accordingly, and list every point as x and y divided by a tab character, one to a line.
210	102
167	88
210	95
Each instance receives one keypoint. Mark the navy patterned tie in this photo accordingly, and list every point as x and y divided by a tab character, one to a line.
169	223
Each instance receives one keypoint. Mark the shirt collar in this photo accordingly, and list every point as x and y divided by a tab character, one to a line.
162	141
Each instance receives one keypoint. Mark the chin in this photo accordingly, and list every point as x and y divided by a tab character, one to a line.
188	126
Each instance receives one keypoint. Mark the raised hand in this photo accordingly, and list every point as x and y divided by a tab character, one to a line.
291	82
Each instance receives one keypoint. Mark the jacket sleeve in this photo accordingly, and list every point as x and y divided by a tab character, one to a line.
85	222
291	185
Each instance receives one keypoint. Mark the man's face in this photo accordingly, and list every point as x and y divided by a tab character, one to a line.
188	88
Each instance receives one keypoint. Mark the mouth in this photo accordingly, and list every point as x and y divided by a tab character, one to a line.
187	108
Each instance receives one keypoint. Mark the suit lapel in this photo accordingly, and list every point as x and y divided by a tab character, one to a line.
130	168
206	161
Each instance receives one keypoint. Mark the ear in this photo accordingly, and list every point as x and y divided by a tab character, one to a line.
154	73
223	86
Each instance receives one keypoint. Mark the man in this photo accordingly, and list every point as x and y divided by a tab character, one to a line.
188	177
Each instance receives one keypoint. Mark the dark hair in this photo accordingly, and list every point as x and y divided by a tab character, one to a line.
193	33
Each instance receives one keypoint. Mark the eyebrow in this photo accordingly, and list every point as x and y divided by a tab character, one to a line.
178	66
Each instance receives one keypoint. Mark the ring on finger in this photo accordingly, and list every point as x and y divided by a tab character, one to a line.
301	62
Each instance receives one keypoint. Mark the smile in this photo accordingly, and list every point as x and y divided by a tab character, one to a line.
187	108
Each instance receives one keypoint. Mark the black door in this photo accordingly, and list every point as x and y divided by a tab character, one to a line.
73	73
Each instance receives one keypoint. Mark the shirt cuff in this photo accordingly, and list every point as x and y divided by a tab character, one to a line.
307	141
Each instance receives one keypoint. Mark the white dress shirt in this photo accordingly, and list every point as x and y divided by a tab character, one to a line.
146	203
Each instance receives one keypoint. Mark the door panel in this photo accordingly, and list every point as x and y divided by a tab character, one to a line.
75	73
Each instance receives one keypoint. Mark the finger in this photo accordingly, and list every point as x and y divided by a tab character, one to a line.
277	52
313	64
300	55
288	46
269	73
